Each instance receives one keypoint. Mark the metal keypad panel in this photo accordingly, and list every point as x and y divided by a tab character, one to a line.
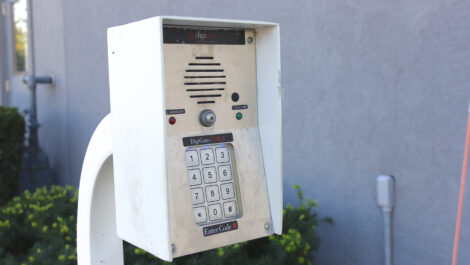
213	183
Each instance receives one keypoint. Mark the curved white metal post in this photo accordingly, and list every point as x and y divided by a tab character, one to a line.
97	240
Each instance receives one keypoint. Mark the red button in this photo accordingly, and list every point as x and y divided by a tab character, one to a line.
172	120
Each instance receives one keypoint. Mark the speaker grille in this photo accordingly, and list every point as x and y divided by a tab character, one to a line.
204	80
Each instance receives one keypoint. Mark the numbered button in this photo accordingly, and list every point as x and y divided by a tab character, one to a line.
212	193
210	174
230	209
207	156
200	214
222	154
194	177
197	195
215	212
192	158
227	191
225	173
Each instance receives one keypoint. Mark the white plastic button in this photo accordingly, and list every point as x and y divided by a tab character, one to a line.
215	212
212	193
200	214
194	177
197	195
227	191
230	209
207	156
210	174
225	173
192	158
222	154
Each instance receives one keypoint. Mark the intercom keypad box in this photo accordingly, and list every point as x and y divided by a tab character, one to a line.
213	183
197	149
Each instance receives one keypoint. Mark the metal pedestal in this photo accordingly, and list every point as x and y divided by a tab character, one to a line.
97	240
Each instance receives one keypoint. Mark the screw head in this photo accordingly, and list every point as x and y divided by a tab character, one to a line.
267	227
250	40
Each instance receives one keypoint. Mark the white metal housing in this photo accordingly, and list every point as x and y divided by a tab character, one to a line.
144	151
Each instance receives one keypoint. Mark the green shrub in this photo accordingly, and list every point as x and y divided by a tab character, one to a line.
12	129
40	229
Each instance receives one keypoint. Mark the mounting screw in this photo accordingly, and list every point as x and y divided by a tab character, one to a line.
173	248
250	40
267	227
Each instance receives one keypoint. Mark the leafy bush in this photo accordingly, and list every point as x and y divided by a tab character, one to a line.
40	229
12	129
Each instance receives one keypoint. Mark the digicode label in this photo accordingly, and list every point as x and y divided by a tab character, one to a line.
220	228
207	139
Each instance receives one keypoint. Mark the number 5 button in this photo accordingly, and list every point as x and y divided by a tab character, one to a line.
207	156
222	154
209	174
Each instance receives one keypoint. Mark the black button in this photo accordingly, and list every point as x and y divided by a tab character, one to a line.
235	97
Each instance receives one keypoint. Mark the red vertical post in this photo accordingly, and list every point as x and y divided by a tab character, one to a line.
462	189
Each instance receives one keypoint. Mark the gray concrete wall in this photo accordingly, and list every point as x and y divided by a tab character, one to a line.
370	87
53	109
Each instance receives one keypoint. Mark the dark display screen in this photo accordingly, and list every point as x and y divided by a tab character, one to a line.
203	36
208	139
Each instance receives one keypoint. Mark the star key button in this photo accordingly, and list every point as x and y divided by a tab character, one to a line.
200	214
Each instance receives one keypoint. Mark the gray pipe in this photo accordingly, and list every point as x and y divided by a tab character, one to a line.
385	199
387	236
35	170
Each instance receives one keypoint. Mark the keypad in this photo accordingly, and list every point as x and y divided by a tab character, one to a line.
213	184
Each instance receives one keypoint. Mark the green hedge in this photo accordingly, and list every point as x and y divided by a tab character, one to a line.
40	228
12	129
